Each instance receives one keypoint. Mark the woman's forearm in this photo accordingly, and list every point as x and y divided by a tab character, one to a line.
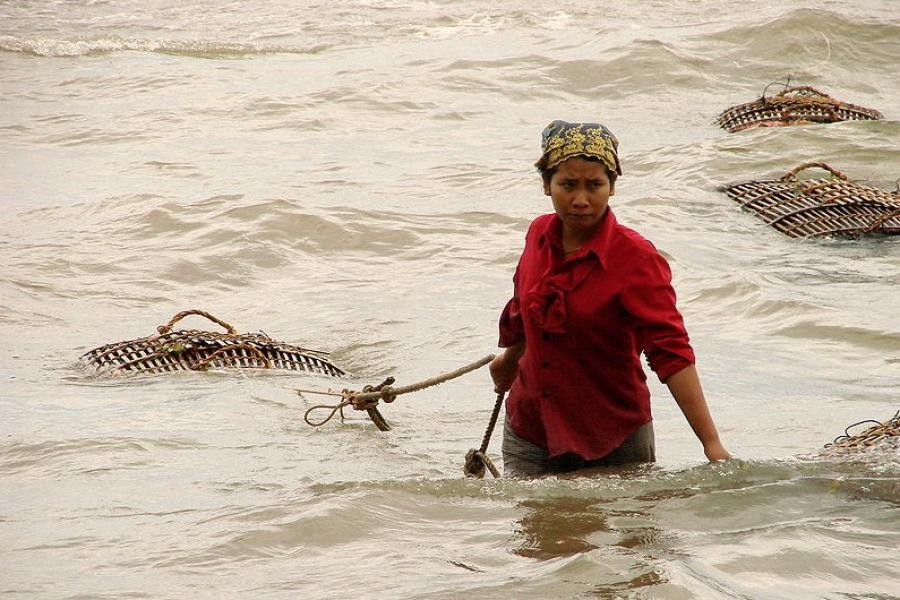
688	393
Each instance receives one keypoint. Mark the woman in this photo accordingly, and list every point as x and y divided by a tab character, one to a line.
590	296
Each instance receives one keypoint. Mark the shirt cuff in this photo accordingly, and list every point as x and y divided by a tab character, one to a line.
666	366
512	330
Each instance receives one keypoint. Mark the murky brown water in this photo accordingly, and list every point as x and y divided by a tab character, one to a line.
356	177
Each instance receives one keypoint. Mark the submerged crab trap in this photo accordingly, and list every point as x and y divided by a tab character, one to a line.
880	435
196	350
798	105
833	206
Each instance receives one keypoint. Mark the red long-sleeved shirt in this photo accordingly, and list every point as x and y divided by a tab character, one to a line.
585	319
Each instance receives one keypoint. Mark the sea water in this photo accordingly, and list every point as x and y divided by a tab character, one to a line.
356	177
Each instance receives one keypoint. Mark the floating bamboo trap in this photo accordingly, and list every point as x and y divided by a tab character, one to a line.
799	105
196	350
832	206
880	435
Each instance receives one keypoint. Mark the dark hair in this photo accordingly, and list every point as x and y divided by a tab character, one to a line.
547	174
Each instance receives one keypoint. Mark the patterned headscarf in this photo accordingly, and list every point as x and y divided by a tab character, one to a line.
561	140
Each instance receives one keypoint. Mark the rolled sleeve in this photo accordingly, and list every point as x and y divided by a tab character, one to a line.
649	298
512	328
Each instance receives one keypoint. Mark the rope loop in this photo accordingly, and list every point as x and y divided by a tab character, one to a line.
368	398
334	410
786	84
879	431
792	174
164	329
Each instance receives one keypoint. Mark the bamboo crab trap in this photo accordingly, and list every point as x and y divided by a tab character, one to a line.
880	435
833	206
798	105
196	350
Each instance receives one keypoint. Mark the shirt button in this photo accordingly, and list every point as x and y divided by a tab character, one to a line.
545	335
545	364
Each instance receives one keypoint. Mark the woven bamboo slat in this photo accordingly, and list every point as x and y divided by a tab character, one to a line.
833	206
798	105
197	350
880	435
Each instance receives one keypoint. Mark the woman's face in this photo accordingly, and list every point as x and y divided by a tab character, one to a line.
580	190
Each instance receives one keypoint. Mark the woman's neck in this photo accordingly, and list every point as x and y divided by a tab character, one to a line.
573	240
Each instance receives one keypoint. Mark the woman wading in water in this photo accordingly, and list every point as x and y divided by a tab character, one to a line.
590	295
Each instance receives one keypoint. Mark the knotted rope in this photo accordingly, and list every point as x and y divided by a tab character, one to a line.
477	460
876	434
368	398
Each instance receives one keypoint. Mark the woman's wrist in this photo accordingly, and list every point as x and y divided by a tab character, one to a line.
714	450
505	366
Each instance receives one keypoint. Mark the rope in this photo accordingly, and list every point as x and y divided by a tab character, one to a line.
368	398
881	220
786	85
792	174
201	365
870	436
477	460
164	329
803	95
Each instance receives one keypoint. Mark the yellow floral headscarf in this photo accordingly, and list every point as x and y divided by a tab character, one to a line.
561	140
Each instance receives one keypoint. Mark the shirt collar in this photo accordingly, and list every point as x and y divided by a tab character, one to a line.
598	244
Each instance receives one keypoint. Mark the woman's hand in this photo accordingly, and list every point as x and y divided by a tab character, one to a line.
715	451
505	367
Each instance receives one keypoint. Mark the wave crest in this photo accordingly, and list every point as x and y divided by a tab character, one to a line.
50	47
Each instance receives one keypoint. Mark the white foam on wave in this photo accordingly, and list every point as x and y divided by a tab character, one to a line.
96	46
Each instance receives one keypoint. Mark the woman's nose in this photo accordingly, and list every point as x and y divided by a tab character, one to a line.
581	197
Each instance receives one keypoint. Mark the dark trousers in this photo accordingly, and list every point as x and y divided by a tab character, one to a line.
521	458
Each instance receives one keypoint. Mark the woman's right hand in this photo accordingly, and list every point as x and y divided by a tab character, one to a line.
505	367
